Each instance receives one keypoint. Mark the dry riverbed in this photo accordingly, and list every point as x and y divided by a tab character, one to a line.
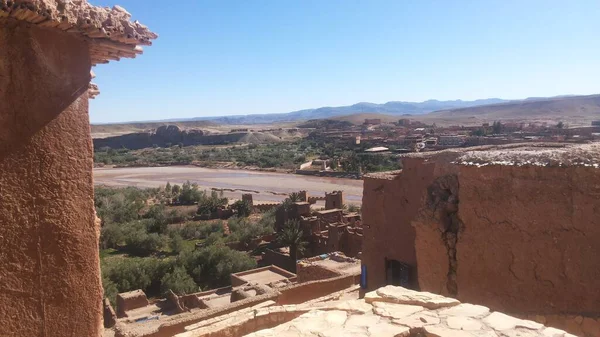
265	186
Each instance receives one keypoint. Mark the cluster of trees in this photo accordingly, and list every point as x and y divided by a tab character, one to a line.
188	272
153	248
278	155
286	155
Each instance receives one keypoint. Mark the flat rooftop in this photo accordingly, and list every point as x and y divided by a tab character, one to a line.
265	275
336	261
522	154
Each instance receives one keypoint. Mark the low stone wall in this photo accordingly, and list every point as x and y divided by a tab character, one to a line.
110	317
303	292
192	301
311	272
279	260
130	300
171	328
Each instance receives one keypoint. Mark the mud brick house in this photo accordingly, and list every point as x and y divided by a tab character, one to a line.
49	275
515	228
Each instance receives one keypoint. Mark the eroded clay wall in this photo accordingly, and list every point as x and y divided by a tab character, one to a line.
389	206
530	238
50	278
517	239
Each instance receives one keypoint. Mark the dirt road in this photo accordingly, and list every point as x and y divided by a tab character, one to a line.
266	186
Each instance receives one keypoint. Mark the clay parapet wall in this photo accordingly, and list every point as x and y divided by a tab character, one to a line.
265	207
130	300
508	228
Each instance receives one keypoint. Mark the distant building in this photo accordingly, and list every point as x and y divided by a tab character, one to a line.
451	140
412	139
431	141
372	121
404	122
596	123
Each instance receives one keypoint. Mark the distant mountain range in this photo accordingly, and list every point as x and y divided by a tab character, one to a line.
579	110
582	108
389	108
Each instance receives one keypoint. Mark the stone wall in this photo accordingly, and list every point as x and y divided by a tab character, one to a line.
49	243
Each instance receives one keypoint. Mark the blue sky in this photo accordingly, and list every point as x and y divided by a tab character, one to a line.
255	56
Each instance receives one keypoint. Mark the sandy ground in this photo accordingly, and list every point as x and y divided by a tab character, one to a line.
266	186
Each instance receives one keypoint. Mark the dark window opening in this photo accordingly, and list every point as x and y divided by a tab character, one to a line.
397	273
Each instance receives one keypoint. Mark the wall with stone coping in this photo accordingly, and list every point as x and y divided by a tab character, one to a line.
520	239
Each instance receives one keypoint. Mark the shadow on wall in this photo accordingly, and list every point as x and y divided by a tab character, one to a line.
64	80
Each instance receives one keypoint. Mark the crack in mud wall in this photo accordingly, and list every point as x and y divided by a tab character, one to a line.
443	202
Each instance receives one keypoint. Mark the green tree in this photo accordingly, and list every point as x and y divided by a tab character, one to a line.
168	188
178	281
353	209
189	194
141	243
212	265
242	208
497	127
291	235
209	204
110	290
560	125
177	243
111	236
158	223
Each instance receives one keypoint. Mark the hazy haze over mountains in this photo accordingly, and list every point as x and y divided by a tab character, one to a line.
390	108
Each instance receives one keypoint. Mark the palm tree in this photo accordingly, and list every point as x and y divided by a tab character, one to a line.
294	197
291	235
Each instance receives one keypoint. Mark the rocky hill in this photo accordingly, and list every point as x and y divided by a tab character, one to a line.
576	110
169	135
